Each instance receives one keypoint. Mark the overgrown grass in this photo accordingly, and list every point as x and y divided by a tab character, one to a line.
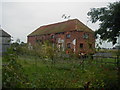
46	67
0	62
68	73
0	72
109	60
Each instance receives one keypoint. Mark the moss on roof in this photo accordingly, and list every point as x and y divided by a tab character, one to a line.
65	26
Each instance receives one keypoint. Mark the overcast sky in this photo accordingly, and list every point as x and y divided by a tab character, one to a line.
21	18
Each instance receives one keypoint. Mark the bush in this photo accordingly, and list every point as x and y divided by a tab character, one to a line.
12	72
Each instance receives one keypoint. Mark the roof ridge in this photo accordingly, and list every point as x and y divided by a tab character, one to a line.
59	22
71	24
4	33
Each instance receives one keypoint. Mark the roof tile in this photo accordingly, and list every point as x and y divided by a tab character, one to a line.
65	26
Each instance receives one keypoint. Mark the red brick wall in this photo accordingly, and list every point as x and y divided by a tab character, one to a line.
78	35
32	40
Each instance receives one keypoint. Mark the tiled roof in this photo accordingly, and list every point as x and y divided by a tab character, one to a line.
65	26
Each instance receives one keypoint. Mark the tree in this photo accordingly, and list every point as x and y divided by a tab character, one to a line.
109	18
109	29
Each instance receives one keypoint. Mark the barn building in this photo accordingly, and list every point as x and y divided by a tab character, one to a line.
71	35
5	39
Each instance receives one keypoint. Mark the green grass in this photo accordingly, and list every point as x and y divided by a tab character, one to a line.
109	60
0	62
67	73
0	78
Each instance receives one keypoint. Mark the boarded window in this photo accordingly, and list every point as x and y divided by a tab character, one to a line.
81	45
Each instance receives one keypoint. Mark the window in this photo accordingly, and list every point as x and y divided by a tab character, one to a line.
38	41
85	36
62	32
52	36
68	36
90	46
68	45
81	45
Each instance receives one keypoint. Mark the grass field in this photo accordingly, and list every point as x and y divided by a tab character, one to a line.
68	73
0	62
45	67
0	72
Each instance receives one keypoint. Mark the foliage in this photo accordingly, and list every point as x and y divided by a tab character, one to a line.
46	51
24	68
110	21
72	74
12	72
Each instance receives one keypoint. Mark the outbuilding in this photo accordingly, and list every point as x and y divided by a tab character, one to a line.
5	39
